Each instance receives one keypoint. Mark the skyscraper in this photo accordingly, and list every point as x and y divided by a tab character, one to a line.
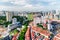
9	16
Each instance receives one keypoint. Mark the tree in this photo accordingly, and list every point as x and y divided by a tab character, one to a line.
22	34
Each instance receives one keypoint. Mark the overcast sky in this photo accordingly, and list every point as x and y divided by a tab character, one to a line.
29	5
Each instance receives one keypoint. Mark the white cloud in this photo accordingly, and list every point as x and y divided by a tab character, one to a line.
28	6
4	0
25	5
53	3
48	0
19	2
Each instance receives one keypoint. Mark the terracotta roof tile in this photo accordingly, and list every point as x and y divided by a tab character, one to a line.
41	31
27	35
57	37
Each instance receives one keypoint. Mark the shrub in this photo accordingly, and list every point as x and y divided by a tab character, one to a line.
22	34
6	23
40	25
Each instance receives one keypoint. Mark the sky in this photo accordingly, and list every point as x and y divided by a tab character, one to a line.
29	5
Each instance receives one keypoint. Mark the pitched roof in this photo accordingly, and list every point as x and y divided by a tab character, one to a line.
41	31
27	35
57	37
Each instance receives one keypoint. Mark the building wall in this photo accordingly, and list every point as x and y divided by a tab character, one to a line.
2	13
9	16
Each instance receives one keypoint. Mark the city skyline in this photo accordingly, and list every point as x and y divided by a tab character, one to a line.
29	5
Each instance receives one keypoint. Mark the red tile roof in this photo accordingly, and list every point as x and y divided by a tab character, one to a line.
27	35
45	33
57	37
15	36
32	34
41	31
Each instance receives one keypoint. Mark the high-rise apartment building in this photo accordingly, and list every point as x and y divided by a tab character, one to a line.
9	16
